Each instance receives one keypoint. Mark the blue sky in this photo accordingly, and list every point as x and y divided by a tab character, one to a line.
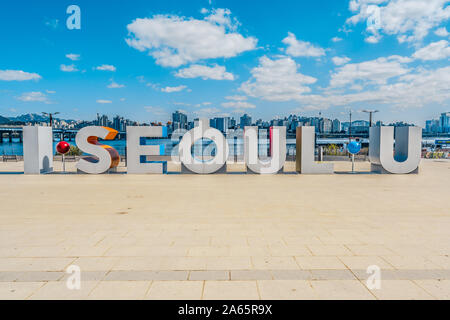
146	59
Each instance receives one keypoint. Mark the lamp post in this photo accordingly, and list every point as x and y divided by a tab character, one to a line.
50	116
350	128
370	112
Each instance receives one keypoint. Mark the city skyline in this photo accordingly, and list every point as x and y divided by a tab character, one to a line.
144	60
179	120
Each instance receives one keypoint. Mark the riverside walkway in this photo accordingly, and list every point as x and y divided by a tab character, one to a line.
226	236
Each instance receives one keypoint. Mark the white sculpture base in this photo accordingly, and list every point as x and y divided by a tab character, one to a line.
376	168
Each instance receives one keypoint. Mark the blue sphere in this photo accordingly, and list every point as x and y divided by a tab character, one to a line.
354	147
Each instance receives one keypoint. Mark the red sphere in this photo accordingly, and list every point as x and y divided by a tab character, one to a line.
62	147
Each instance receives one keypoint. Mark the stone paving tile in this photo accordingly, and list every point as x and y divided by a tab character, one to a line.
230	290
291	274
209	275
34	264
134	275
42	251
332	274
286	290
30	276
362	263
95	263
138	263
319	263
272	263
175	290
123	290
411	262
9	252
329	250
58	290
86	251
86	275
439	289
18	290
441	261
247	251
146	251
228	263
213	251
341	290
298	250
400	290
251	275
369	250
185	263
405	274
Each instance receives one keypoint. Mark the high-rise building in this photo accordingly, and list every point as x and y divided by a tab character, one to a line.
336	126
432	126
326	125
444	122
102	121
246	120
222	124
179	120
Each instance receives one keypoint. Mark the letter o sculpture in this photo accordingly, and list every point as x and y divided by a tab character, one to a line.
203	166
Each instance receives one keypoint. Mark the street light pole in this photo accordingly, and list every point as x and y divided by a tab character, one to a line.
370	112
350	128
50	116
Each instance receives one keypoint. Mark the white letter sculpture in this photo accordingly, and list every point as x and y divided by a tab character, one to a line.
277	151
106	157
406	155
305	153
37	150
201	166
137	151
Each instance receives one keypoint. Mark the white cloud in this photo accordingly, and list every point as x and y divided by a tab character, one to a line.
373	39
238	105
73	56
102	101
158	111
68	68
277	80
106	67
236	98
173	89
416	89
434	51
35	96
376	71
298	48
115	85
336	39
205	72
409	20
222	17
339	61
210	113
174	41
18	75
442	32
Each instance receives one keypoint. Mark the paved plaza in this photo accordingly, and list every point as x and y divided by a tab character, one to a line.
232	236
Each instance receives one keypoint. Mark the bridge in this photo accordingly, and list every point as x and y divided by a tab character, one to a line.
69	134
11	132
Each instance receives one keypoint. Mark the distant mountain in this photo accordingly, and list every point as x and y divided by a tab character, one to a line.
30	117
4	120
